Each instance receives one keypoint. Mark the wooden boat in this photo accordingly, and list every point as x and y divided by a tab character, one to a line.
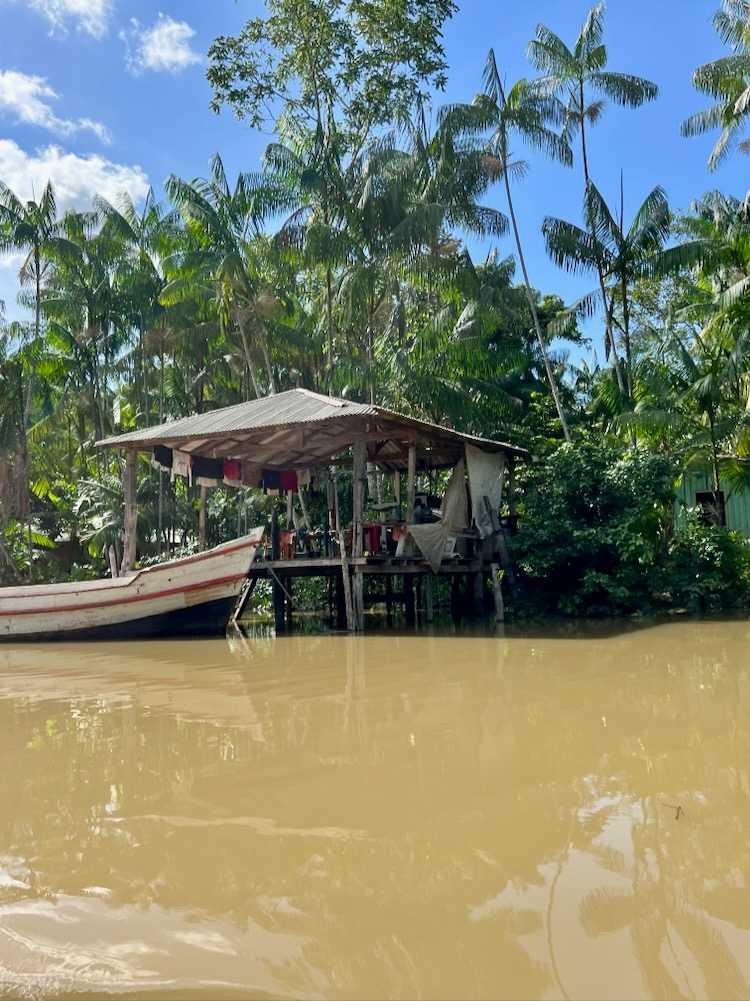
191	596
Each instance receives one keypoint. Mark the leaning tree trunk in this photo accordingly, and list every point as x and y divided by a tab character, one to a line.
534	312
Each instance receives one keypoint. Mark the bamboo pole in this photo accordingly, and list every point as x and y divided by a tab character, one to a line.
359	485
203	518
350	624
131	512
411	485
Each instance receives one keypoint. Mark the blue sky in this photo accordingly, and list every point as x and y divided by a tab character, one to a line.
110	94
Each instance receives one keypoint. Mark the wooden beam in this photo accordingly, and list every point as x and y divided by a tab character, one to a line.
411	484
350	623
203	519
359	487
130	544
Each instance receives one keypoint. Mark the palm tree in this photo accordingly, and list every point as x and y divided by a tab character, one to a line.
28	227
227	219
573	74
621	256
727	81
146	236
525	112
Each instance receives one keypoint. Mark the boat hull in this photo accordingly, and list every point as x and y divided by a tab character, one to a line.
189	597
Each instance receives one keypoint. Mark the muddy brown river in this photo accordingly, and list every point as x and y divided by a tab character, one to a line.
563	814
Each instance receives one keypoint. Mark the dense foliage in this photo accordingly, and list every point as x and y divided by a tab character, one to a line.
598	537
341	263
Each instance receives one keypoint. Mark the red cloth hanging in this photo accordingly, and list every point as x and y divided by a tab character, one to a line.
232	469
372	538
288	480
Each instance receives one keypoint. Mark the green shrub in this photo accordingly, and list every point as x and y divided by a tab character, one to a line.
596	537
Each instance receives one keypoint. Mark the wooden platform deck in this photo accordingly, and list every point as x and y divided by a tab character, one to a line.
331	567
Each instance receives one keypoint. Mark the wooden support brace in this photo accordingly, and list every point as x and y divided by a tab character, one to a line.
203	519
131	512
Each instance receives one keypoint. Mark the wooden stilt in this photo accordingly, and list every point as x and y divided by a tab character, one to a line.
203	519
389	599
131	513
477	603
345	579
429	607
409	606
359	484
498	593
341	617
289	601
279	620
411	485
456	598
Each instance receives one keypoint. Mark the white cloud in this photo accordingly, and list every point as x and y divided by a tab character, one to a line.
164	47
28	98
76	178
90	16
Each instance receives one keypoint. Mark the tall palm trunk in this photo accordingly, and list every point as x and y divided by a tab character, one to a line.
248	358
609	335
527	284
534	312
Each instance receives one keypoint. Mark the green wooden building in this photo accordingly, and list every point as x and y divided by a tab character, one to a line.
695	490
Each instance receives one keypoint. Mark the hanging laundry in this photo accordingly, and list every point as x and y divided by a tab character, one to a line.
304	478
181	465
252	476
288	480
206	481
372	535
212	469
232	469
163	456
272	482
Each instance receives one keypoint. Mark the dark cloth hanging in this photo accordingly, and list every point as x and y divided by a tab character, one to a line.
163	456
210	469
271	480
288	480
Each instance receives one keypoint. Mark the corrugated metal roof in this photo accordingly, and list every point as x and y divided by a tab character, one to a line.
293	408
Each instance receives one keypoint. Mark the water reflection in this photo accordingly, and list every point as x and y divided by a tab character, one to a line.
411	816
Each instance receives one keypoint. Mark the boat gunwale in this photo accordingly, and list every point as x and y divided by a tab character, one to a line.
25	593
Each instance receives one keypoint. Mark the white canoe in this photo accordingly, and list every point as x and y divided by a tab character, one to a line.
191	596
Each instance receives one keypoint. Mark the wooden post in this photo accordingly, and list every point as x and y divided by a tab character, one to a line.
340	619
511	467
498	593
411	485
429	605
289	601
409	605
389	599
346	582
456	598
202	518
131	512
113	562
359	483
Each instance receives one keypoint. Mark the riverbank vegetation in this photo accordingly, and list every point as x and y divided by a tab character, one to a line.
343	263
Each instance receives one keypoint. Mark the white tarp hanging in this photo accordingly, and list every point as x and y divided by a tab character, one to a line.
485	480
431	539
